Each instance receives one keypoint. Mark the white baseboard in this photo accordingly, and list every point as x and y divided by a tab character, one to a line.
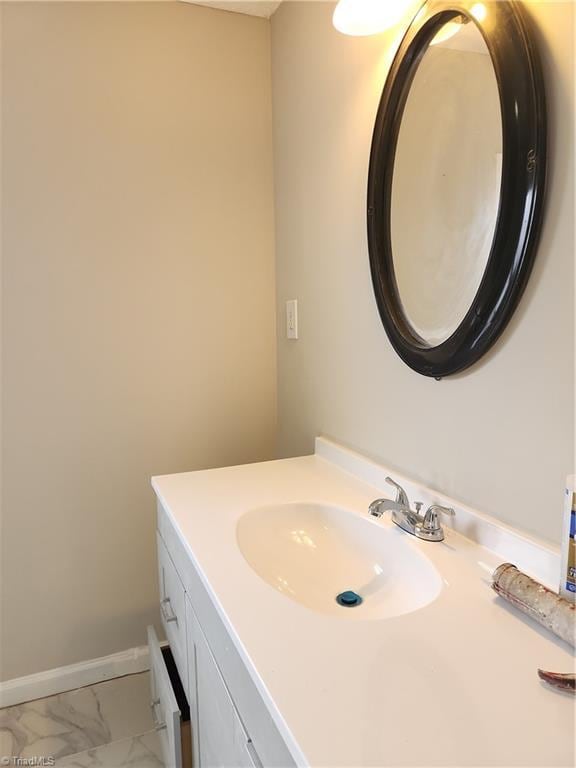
62	679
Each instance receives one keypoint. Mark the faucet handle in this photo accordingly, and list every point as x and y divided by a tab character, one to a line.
401	495
430	522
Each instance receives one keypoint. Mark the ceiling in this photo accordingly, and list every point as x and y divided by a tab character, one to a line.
263	8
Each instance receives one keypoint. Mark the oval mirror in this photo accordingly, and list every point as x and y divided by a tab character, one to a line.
456	179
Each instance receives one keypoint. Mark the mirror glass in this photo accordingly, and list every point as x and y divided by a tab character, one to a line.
446	181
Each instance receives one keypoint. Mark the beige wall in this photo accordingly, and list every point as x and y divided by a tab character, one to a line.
138	304
500	436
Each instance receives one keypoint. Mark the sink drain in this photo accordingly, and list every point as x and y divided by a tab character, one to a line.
348	599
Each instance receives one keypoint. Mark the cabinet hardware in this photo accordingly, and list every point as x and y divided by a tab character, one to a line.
158	725
167	616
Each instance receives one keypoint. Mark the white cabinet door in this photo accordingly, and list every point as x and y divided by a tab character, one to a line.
222	741
192	632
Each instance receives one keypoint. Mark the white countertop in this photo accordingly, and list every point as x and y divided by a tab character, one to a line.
452	684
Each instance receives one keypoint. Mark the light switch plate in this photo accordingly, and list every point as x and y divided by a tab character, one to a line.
292	319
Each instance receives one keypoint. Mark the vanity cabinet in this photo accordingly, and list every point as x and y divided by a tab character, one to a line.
230	724
295	679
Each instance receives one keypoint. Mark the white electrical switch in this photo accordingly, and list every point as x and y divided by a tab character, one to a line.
292	319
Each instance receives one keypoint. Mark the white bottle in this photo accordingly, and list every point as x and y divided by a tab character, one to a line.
568	544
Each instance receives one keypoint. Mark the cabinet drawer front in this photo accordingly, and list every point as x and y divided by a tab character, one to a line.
165	709
172	608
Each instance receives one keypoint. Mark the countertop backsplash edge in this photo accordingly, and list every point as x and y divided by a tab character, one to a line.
534	556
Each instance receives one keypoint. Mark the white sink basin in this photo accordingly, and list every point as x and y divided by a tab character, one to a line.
313	552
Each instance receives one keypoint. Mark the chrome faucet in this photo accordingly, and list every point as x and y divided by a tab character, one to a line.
425	526
402	515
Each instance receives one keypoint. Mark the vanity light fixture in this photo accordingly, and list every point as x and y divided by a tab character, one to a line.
479	11
368	17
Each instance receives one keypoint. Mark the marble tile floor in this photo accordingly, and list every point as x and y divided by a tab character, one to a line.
108	725
136	752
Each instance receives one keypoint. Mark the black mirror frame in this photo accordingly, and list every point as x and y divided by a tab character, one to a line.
523	111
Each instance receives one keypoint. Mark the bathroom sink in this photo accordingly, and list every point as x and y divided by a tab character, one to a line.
312	553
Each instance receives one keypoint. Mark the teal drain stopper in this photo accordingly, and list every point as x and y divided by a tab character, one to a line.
348	599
